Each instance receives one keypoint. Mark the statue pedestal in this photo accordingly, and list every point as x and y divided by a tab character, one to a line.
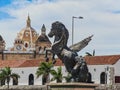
72	86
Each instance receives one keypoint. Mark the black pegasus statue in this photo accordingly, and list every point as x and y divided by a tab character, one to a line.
74	64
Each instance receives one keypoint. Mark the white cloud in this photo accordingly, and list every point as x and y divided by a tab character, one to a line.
100	19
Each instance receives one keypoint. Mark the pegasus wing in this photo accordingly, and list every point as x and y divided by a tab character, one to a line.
80	45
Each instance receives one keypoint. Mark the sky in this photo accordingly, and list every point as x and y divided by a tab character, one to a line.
101	18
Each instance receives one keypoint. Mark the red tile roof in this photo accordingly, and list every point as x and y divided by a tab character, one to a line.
91	60
24	63
31	63
102	60
11	63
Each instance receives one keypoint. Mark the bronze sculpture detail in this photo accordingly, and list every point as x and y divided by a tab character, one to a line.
74	64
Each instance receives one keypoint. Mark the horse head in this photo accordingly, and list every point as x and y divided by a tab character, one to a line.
58	30
61	36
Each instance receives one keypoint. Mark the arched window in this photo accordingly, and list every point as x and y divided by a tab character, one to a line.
103	78
89	78
26	34
26	45
39	48
15	41
44	48
15	81
31	79
21	42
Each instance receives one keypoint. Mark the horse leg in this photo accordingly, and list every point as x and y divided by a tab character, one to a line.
53	56
53	59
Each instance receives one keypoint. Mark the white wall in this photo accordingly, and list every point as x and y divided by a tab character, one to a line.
26	71
117	68
95	71
24	75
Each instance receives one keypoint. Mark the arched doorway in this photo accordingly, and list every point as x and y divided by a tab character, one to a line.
15	81
89	78
31	79
103	78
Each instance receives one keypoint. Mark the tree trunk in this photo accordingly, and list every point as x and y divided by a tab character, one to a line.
48	78
59	81
8	80
8	85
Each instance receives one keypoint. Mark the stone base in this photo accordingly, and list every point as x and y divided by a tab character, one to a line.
72	86
24	87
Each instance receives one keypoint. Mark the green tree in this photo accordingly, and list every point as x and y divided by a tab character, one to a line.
57	74
89	54
6	74
44	69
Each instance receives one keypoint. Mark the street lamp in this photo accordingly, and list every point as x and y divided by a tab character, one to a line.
73	26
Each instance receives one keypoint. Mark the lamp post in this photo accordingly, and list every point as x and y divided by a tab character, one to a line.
73	17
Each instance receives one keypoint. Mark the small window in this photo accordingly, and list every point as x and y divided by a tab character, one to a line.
15	41
117	79
21	42
26	45
44	48
26	34
39	48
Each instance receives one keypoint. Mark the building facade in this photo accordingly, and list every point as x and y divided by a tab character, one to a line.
102	70
27	45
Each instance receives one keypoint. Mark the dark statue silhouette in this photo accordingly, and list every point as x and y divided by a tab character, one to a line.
74	64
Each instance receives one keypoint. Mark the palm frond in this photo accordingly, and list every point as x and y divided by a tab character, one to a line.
57	74
44	68
68	77
88	54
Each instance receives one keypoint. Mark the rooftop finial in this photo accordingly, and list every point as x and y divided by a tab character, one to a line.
43	30
28	21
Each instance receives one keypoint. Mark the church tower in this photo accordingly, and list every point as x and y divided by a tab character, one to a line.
42	42
26	38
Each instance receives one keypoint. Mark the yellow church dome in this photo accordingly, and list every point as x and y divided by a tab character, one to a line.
28	34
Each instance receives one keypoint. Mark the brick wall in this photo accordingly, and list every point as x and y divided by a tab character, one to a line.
23	56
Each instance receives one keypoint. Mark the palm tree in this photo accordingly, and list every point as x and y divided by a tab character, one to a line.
57	75
89	54
44	69
6	74
68	77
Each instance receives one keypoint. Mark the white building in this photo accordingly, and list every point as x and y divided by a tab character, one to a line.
102	70
26	69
